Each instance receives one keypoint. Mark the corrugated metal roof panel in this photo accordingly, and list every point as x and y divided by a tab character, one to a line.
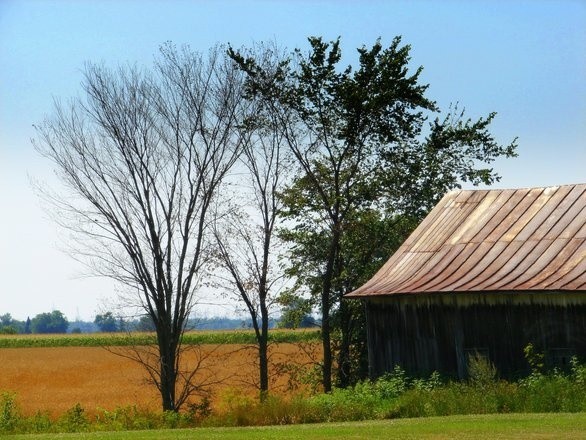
530	239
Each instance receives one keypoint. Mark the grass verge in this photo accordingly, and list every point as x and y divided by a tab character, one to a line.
501	426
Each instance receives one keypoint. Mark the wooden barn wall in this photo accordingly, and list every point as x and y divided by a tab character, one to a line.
425	338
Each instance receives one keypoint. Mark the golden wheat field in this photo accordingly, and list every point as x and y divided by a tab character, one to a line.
54	379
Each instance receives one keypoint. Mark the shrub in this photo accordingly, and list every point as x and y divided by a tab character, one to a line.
281	411
481	371
554	392
357	403
125	419
200	410
392	384
578	371
434	381
8	330
535	359
39	423
74	420
9	415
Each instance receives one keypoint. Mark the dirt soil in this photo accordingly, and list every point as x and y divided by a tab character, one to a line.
55	379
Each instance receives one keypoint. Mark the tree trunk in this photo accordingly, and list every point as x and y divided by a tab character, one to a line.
263	356
344	363
325	309
168	373
326	342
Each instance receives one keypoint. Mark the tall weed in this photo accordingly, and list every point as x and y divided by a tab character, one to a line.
74	420
481	371
9	415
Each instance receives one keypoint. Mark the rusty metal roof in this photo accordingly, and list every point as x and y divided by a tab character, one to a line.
492	240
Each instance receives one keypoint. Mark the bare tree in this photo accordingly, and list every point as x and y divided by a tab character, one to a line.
246	239
246	236
142	158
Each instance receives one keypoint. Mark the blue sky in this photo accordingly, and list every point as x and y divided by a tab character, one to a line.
525	60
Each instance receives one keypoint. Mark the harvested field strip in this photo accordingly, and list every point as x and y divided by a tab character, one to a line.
54	379
124	339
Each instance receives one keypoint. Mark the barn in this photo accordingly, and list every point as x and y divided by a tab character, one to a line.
487	272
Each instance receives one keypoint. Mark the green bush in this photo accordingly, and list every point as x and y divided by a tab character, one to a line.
9	415
481	372
554	392
121	419
74	420
578	372
9	330
39	423
391	385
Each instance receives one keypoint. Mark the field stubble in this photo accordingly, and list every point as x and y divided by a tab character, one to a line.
54	379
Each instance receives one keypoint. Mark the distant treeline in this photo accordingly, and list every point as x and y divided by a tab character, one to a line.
56	322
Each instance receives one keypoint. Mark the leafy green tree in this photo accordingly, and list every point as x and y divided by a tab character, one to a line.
145	324
296	312
8	330
362	145
54	322
106	322
9	325
5	320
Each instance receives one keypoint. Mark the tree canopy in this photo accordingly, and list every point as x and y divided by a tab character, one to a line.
367	159
53	322
107	322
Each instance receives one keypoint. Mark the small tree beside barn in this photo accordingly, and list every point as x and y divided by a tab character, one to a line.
487	272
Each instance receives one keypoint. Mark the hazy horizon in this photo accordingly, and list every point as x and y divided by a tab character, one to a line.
522	59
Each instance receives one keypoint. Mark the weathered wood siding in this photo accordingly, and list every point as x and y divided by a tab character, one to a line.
425	337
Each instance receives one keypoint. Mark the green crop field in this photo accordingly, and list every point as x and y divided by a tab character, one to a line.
125	339
504	426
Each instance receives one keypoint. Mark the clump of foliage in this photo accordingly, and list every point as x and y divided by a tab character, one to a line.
372	155
481	372
74	420
8	413
54	322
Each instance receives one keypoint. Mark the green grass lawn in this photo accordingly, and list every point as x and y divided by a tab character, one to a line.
501	426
